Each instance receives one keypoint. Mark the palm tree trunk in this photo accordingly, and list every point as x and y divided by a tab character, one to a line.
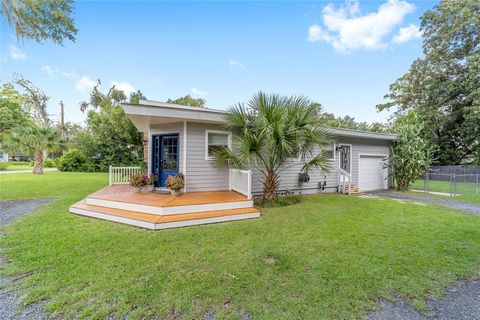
270	185
38	167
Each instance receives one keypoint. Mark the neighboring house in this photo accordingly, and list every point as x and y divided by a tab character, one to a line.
20	157
181	139
3	156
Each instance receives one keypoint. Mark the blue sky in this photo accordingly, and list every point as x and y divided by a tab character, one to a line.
343	54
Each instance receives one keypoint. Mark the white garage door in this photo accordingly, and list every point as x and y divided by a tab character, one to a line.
371	174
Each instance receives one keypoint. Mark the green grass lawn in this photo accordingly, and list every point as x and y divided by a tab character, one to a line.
329	257
467	191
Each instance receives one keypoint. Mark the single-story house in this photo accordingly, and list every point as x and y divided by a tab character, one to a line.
182	138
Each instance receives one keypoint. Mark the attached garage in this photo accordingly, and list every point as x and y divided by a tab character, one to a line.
371	172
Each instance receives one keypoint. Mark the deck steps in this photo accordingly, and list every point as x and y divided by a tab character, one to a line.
156	222
354	190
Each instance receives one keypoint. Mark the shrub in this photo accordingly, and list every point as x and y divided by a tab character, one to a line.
412	154
49	163
71	161
3	166
281	201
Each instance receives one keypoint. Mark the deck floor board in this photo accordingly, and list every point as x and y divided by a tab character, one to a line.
125	193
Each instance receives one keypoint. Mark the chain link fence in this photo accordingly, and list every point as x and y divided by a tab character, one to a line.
451	180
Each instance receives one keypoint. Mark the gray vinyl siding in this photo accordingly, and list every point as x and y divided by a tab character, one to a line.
289	177
201	175
364	146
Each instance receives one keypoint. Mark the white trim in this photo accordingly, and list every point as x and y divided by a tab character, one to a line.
184	160
378	155
149	160
187	223
207	207
94	214
334	151
351	157
207	131
160	226
125	206
342	132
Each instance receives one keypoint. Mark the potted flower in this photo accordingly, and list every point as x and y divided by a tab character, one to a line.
150	182
137	181
175	184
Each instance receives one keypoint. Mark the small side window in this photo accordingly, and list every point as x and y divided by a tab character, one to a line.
329	152
216	140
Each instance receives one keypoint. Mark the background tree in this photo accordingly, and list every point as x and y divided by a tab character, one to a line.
34	101
33	139
110	137
348	122
412	153
188	100
12	114
40	20
136	96
444	86
271	129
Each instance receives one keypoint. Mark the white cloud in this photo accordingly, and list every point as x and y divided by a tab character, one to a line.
85	84
236	64
70	74
48	70
315	33
199	92
16	53
51	71
406	34
347	30
126	87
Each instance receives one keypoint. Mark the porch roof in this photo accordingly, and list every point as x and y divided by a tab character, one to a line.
148	112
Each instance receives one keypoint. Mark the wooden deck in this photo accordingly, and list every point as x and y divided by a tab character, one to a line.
162	218
125	193
152	210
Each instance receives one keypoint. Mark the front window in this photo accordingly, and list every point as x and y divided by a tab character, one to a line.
216	140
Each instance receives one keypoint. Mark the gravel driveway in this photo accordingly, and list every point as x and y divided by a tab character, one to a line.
9	300
460	302
464	206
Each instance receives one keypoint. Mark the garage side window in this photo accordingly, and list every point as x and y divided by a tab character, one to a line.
216	140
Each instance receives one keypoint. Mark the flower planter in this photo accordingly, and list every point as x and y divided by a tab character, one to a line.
138	189
149	188
176	193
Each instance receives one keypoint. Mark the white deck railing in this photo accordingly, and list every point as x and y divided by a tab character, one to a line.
121	175
345	181
241	181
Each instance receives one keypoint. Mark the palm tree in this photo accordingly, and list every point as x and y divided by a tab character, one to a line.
269	130
34	140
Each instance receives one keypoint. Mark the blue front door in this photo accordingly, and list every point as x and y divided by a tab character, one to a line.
164	157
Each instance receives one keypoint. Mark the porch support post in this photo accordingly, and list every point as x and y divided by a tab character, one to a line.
185	154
